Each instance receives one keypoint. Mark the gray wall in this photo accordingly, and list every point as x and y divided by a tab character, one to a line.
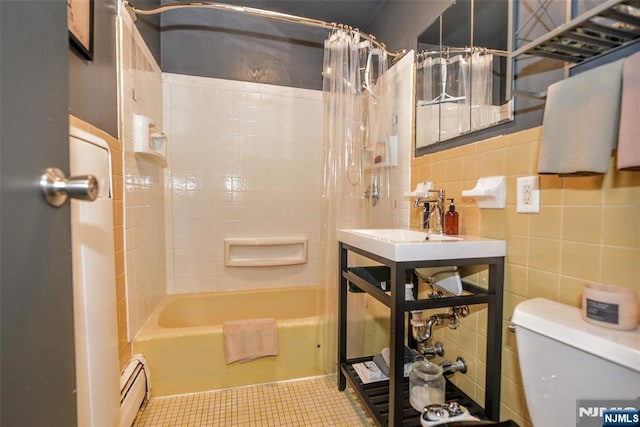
149	26
93	84
213	43
399	22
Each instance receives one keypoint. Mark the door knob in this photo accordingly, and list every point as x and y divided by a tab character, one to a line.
56	188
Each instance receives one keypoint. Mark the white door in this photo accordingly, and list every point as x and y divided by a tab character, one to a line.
94	286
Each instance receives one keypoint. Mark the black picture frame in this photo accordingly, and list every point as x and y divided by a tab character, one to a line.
80	24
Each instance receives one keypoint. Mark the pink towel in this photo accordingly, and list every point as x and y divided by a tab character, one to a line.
629	132
249	339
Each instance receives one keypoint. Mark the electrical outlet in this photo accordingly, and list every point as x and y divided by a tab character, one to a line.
528	194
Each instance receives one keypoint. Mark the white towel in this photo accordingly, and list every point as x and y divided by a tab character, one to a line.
581	120
629	134
249	339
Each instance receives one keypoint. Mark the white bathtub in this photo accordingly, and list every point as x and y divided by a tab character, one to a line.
182	341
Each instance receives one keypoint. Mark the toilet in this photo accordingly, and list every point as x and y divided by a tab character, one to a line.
565	361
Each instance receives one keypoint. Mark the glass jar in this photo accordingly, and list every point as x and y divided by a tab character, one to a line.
426	384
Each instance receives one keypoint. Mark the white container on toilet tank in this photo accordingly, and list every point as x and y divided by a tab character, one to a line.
565	361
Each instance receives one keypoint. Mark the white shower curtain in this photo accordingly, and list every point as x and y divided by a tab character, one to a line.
455	116
427	118
482	90
355	120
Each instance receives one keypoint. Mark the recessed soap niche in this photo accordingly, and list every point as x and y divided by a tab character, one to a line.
265	251
149	139
384	154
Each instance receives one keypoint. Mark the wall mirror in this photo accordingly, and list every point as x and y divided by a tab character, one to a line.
463	73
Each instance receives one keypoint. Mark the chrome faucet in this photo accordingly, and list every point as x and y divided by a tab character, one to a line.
372	194
433	218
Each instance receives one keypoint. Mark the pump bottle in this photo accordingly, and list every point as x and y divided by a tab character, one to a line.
451	220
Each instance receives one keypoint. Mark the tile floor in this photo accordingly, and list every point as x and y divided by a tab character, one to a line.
307	402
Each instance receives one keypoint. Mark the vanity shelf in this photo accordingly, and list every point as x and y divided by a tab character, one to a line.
388	401
477	295
608	26
376	397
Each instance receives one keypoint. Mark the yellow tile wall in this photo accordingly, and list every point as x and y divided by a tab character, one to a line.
588	230
124	347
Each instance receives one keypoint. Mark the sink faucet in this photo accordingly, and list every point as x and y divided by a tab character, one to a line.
433	218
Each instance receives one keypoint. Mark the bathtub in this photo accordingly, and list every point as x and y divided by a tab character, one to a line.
182	340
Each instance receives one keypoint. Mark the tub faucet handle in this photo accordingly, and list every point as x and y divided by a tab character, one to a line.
435	350
449	368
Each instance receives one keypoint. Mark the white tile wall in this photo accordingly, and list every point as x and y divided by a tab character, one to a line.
245	160
140	92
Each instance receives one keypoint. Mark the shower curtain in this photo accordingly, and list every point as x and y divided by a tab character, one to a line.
482	90
356	124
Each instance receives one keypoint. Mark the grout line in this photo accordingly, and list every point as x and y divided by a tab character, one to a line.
308	401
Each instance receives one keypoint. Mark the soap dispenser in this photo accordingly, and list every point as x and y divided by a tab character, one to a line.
451	220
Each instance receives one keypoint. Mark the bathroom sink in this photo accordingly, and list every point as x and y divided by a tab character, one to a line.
398	244
400	235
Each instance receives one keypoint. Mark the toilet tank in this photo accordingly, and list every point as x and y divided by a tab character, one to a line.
565	360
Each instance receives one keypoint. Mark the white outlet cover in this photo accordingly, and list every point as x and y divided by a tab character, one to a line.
528	194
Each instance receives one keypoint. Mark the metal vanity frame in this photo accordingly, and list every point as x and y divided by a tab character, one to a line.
387	401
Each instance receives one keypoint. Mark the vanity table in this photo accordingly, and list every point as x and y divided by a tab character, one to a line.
402	251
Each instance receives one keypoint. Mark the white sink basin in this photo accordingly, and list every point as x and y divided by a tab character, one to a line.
399	244
400	235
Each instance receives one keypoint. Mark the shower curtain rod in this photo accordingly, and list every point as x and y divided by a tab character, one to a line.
458	50
268	14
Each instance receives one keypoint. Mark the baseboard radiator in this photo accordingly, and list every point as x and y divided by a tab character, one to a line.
135	389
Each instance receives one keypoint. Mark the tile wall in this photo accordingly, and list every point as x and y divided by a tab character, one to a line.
140	92
245	161
588	230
